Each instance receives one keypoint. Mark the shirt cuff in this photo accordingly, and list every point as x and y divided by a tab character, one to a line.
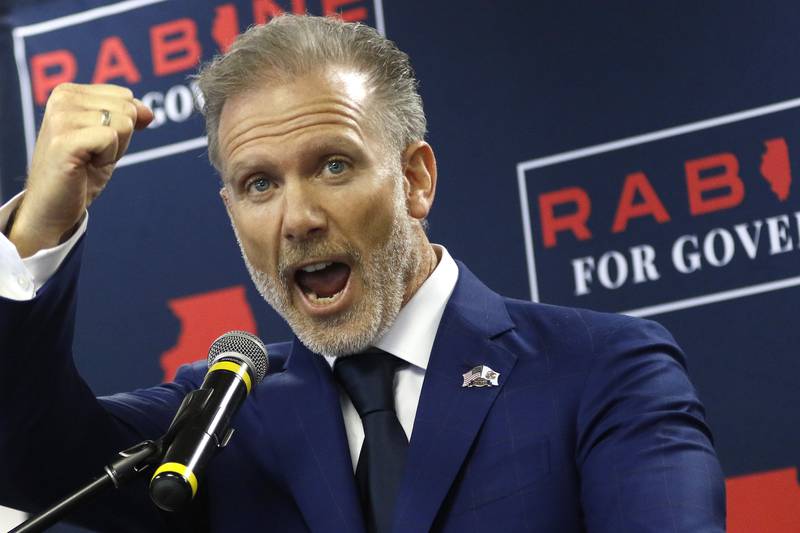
21	278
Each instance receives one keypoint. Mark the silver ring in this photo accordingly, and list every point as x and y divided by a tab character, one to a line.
106	120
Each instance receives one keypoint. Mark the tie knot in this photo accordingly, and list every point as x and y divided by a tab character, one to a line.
368	378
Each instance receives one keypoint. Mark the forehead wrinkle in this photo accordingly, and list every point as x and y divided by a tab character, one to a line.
256	137
339	106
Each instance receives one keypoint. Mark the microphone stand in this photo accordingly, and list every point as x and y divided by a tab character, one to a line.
127	464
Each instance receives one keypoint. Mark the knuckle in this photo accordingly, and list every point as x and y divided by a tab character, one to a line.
56	98
61	88
63	95
116	91
67	90
130	110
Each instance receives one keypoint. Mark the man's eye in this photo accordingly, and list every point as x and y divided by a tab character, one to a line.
336	166
260	185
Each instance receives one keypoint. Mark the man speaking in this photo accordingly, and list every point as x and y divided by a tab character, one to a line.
412	397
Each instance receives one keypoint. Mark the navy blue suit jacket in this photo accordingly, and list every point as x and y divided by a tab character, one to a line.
594	427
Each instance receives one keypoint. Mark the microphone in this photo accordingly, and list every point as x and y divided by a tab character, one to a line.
237	361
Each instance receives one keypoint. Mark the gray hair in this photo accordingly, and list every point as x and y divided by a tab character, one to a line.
290	46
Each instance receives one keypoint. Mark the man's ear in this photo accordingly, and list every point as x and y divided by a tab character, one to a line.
419	169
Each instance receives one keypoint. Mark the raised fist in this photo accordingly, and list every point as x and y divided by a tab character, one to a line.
85	131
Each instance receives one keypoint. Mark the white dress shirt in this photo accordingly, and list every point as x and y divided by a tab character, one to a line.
21	278
410	338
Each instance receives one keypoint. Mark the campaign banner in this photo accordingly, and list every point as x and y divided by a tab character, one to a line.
153	47
667	220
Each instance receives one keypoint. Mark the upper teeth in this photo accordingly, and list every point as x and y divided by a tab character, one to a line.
315	267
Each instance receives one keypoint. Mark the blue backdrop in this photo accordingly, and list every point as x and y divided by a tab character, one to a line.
631	157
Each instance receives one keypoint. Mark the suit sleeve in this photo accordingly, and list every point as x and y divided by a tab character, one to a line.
645	451
55	436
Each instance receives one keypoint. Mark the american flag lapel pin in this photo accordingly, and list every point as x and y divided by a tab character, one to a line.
480	376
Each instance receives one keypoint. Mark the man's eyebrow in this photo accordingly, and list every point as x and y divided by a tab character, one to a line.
247	167
323	146
332	144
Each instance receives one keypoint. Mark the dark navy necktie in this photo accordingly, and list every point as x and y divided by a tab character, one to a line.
368	379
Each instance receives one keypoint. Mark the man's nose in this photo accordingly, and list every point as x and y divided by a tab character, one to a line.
303	217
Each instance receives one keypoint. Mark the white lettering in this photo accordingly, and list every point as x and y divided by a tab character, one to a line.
749	242
797	218
779	239
710	251
680	257
153	100
604	273
644	269
582	270
179	103
176	105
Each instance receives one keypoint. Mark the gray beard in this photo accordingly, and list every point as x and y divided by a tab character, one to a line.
385	276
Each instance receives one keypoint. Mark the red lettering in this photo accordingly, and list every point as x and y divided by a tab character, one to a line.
574	222
49	69
225	27
114	61
299	7
265	10
727	179
331	7
174	46
650	205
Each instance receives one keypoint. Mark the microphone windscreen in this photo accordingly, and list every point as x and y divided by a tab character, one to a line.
244	346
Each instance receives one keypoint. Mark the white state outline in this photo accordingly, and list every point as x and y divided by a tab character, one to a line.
635	140
28	120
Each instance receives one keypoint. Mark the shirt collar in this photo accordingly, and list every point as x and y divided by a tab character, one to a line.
411	336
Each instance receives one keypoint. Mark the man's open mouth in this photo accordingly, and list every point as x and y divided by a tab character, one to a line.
323	282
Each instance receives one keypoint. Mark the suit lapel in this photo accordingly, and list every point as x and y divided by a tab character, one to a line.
450	416
311	445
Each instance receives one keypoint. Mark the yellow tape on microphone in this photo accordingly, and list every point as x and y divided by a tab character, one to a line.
181	470
240	369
